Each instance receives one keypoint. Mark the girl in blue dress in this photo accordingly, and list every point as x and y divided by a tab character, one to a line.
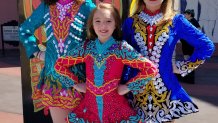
153	29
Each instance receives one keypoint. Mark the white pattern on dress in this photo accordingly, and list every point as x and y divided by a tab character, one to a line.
63	9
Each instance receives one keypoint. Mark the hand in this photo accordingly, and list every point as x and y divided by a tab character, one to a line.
123	89
175	69
40	55
81	87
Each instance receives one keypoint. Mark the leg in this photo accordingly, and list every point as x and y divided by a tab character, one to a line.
59	115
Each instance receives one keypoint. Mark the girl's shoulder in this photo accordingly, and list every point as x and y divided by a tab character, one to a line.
88	43
124	45
87	6
42	7
128	20
178	19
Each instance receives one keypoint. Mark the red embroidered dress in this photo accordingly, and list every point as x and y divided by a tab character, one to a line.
104	66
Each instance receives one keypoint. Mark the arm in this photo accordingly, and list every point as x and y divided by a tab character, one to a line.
175	69
147	69
27	29
67	67
62	67
203	46
128	32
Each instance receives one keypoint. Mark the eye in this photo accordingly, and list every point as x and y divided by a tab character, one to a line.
97	21
109	20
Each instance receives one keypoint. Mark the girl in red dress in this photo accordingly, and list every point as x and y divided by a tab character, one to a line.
105	56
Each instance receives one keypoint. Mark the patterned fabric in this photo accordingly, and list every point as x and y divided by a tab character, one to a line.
104	66
163	98
64	31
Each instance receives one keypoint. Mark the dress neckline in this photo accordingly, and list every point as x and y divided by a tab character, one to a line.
151	13
64	2
101	47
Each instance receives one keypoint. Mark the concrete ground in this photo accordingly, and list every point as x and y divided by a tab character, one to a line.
204	92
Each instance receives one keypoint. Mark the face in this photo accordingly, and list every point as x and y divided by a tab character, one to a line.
104	24
187	16
153	4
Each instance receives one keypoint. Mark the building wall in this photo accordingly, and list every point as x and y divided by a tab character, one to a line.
8	11
206	12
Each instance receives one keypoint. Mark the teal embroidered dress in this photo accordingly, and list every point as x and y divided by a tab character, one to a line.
65	29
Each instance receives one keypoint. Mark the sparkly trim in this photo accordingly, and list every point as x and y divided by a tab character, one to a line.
64	102
186	67
151	20
52	95
176	110
138	86
75	37
104	89
63	9
159	108
160	39
45	16
81	15
79	21
61	25
76	27
49	26
72	118
50	36
47	21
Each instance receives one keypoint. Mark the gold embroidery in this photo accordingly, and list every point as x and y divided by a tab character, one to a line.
161	29
140	27
157	98
61	29
193	65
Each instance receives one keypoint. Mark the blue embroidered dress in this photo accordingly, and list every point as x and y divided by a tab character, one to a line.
65	29
164	99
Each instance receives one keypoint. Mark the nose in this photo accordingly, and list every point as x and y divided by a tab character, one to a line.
103	25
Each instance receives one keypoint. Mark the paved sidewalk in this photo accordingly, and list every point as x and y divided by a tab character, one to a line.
10	118
204	91
11	109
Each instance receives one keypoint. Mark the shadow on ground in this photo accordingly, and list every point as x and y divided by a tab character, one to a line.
10	59
205	87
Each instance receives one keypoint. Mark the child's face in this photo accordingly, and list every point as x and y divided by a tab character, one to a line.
103	24
153	3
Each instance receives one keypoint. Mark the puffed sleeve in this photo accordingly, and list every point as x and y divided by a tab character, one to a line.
28	27
127	35
126	30
203	46
64	66
147	70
